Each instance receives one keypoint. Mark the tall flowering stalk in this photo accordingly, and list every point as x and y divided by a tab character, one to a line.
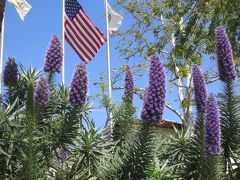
42	92
229	103
200	89
54	56
212	129
200	92
78	91
129	86
10	74
29	152
226	65
154	100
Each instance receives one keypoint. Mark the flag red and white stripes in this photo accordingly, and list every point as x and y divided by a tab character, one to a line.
82	35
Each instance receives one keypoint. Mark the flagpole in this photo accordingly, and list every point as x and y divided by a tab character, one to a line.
63	43
108	62
1	55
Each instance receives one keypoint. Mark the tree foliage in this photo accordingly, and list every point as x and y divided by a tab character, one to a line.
183	32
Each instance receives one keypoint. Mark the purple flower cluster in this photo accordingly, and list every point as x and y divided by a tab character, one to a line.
154	98
42	92
63	154
200	89
213	129
78	91
54	56
226	65
10	74
129	86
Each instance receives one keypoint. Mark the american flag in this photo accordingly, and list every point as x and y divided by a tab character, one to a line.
82	35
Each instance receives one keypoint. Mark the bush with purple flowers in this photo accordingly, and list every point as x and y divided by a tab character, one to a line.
46	129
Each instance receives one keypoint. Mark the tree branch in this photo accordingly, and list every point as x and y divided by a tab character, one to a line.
209	81
175	111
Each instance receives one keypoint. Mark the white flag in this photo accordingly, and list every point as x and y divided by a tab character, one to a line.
114	19
21	6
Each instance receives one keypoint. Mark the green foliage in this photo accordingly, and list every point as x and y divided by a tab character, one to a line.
23	83
230	125
194	161
87	154
31	136
124	119
28	154
136	157
214	168
122	131
191	22
182	32
163	171
174	149
8	132
183	154
140	156
196	164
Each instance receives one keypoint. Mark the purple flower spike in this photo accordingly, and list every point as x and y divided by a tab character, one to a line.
54	56
226	65
213	129
154	98
78	91
42	92
129	86
10	74
63	154
200	89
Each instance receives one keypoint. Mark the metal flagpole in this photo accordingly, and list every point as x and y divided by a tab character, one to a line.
63	42
108	55
108	62
1	55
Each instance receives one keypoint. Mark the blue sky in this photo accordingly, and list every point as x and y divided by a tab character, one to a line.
27	42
